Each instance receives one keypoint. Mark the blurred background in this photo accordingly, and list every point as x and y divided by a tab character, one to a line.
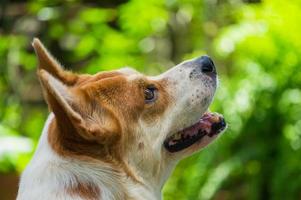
255	44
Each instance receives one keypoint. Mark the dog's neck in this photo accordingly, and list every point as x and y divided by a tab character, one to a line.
60	177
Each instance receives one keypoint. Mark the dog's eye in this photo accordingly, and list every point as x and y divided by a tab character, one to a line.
150	94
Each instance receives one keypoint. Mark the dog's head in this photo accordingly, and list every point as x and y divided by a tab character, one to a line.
141	125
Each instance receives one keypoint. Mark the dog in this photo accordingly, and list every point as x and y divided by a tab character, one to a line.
118	135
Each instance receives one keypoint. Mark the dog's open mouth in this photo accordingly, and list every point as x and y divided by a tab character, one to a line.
210	124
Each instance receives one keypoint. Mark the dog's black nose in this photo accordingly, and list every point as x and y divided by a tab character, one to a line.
206	64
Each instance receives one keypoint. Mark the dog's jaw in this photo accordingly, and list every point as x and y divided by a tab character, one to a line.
192	92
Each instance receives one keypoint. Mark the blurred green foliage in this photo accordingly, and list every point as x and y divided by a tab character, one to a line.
255	44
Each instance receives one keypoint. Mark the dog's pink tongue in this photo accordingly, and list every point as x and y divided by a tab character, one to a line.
205	124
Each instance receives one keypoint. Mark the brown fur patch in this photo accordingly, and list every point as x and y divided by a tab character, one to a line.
87	191
64	139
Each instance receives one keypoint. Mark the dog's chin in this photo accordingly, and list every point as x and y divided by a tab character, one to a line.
196	136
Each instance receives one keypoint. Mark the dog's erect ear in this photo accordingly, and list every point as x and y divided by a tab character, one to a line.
66	101
54	80
73	115
50	64
59	97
